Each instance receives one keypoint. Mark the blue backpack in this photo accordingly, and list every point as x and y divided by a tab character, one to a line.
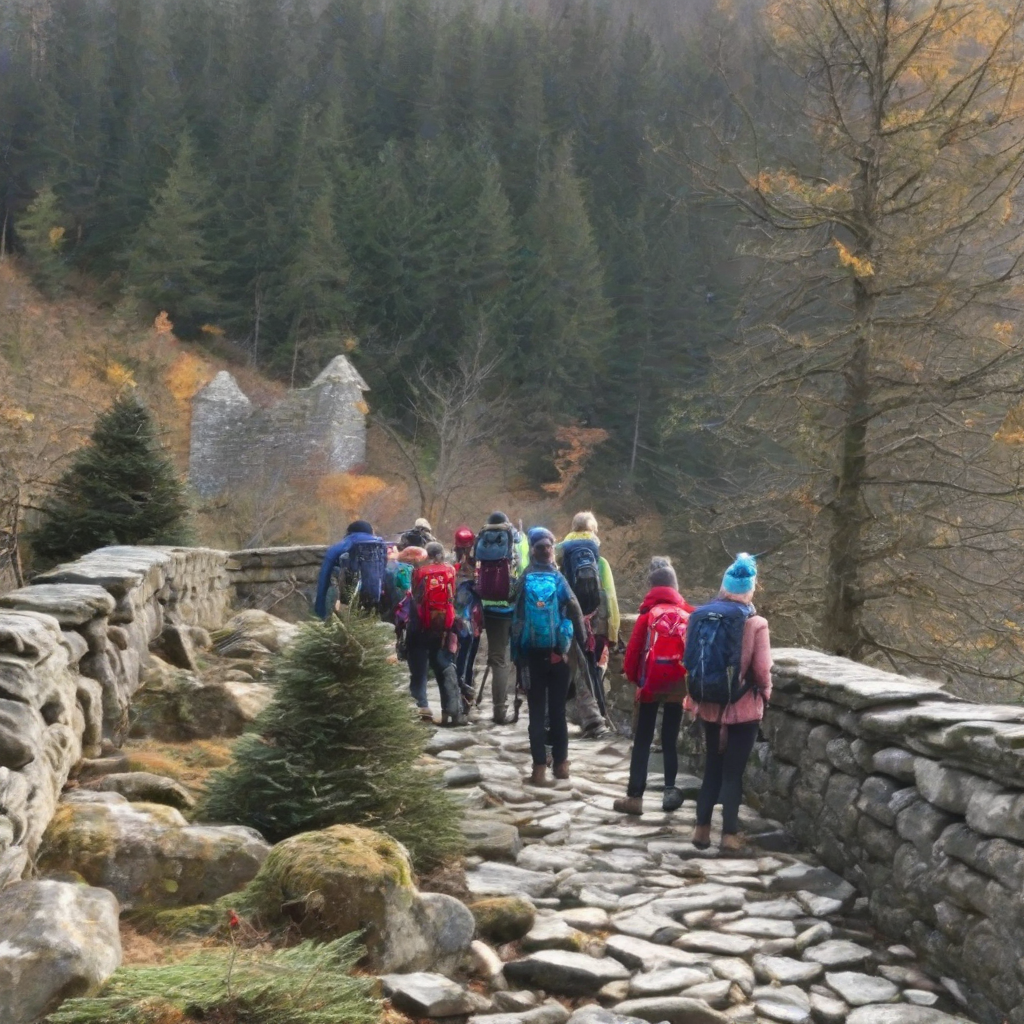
544	628
581	565
714	648
368	561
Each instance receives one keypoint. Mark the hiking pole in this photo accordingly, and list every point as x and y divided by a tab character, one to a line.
483	683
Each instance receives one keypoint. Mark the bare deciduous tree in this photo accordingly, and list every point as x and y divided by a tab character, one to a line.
455	418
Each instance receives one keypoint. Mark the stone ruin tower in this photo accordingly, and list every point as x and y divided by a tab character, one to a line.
319	429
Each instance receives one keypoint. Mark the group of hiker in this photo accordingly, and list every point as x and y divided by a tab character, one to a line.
550	615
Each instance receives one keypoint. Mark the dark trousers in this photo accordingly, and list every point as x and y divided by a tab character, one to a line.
647	716
465	661
723	773
546	696
425	653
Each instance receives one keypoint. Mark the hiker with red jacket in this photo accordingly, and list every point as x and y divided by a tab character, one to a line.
654	662
430	642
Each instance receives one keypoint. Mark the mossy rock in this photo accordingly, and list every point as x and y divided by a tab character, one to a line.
336	881
148	854
503	918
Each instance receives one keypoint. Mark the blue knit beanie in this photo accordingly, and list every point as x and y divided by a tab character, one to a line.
741	576
536	533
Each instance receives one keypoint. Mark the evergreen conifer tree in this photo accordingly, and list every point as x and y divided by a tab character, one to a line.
168	268
120	489
42	234
338	745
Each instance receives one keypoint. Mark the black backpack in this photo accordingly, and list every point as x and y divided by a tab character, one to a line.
581	566
367	563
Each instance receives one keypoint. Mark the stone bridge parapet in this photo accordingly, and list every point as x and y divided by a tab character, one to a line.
914	796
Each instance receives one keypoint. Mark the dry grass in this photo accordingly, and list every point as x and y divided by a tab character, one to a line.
187	763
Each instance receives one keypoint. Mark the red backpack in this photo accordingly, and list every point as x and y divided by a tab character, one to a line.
662	669
433	587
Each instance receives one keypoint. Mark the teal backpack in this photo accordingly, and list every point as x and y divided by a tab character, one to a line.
544	627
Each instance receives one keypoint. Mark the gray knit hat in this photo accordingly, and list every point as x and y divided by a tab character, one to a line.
435	549
661	573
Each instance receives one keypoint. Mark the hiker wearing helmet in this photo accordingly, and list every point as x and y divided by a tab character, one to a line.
546	618
501	555
469	612
728	662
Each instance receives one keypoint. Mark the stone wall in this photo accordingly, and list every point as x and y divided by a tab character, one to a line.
915	797
320	429
278	580
72	649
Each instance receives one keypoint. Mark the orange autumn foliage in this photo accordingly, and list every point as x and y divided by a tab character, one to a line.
576	446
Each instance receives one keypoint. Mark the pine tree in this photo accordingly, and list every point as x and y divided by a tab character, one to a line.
338	745
569	317
120	489
42	234
168	268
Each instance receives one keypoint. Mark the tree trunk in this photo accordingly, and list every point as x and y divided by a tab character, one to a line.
841	627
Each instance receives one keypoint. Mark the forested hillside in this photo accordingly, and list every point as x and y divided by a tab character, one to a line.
404	180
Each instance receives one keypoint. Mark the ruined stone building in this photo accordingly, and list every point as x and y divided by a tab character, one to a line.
319	429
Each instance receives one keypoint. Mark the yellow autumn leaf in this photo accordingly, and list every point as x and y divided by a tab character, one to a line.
119	375
861	267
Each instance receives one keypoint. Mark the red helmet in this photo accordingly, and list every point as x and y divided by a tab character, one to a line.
464	537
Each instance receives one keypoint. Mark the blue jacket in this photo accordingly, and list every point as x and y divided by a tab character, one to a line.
334	555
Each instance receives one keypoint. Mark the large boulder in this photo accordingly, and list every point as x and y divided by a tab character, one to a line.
252	632
148	854
176	706
349	879
145	787
59	941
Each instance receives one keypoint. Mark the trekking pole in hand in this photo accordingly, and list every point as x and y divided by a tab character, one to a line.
483	684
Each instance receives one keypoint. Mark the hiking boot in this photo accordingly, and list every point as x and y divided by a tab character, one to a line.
732	845
426	716
672	800
500	716
561	771
594	731
629	805
540	776
702	837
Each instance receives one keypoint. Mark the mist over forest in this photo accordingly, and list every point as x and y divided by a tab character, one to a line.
772	251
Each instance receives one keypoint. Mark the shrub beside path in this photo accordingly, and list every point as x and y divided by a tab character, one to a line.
633	923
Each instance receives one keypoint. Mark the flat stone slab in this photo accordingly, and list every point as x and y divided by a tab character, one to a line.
565	973
493	879
638	954
824	676
667	982
788	1004
717	942
429	995
813	879
71	604
492	840
761	927
902	1014
673	1010
785	970
861	989
837	953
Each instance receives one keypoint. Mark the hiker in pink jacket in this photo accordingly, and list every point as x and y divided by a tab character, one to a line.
727	754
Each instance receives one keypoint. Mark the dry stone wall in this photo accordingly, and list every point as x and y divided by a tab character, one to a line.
73	647
915	797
